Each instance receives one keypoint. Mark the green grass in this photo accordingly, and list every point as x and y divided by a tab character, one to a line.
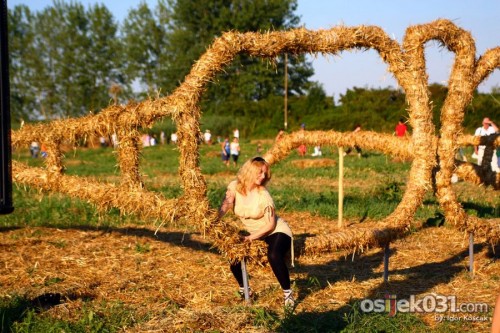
21	315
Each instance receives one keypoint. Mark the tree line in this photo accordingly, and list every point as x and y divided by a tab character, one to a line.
68	60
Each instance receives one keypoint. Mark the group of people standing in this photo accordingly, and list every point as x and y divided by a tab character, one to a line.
230	151
37	150
401	130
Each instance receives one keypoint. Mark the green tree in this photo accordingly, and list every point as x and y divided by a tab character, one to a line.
62	43
145	40
193	25
373	109
63	61
23	63
105	59
44	80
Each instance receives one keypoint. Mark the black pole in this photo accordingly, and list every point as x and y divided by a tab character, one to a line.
5	142
471	254
387	254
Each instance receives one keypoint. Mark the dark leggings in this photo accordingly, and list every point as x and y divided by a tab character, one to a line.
278	246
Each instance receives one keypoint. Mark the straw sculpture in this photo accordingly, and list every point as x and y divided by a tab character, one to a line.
406	62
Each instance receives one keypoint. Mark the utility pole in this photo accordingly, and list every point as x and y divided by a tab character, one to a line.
286	91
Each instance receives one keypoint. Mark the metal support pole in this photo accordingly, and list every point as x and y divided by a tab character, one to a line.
340	222
286	92
471	254
245	281
6	206
387	253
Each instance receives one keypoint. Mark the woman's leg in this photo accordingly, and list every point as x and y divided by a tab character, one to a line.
278	246
238	274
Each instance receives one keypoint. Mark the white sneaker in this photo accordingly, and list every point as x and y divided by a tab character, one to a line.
241	291
289	299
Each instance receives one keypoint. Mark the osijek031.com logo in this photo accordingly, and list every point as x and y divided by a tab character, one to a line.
428	304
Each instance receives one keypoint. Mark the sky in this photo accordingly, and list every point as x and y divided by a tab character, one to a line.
365	69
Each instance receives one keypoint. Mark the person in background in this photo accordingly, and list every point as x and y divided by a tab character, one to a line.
357	128
234	149
401	130
34	149
146	140
280	135
252	203
317	151
302	149
236	133
207	136
259	149
102	142
488	127
152	140
226	151
43	151
114	140
173	138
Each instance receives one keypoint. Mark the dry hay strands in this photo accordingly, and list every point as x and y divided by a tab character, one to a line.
465	76
486	64
105	123
487	229
354	238
314	163
70	130
388	144
474	140
104	196
295	41
478	175
227	239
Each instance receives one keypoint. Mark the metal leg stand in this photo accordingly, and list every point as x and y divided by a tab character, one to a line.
387	253
245	281
471	254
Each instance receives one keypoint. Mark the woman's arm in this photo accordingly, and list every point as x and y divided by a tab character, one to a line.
227	203
495	127
266	228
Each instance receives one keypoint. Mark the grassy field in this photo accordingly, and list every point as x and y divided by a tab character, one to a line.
68	268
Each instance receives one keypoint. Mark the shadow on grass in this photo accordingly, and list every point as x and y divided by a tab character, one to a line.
318	277
7	229
418	279
348	318
481	210
316	321
17	308
178	238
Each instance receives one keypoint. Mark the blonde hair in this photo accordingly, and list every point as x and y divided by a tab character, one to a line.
249	172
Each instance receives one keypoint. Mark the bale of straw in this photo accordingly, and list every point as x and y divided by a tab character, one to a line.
314	163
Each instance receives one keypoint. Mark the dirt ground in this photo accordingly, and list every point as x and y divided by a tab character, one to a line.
175	281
